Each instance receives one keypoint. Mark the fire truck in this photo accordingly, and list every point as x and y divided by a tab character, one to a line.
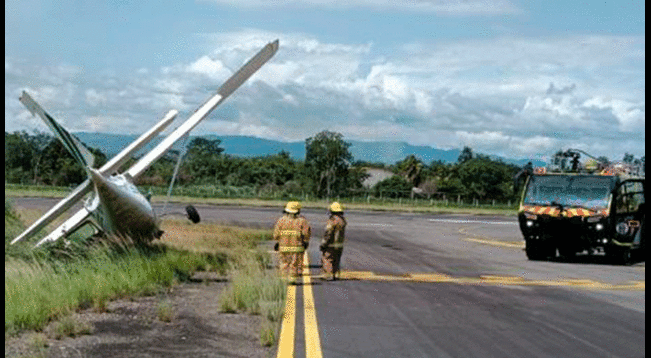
577	207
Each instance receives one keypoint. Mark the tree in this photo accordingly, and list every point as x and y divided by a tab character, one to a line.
643	163
204	147
428	187
484	178
628	158
58	167
39	159
393	187
204	161
411	169
19	154
327	160
465	155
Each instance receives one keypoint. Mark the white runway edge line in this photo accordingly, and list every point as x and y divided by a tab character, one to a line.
474	222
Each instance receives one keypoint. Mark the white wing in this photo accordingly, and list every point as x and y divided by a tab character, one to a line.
233	83
56	210
67	227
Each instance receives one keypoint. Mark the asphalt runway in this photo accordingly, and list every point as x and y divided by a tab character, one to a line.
417	285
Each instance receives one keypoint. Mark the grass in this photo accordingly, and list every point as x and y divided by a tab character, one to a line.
69	326
45	191
51	283
37	292
256	289
164	310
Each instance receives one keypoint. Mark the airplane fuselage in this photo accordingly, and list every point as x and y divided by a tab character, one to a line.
124	210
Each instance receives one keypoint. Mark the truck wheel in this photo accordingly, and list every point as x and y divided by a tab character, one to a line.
193	214
535	252
625	256
567	252
621	255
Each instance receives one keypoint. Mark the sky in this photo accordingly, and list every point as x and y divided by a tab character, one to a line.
518	79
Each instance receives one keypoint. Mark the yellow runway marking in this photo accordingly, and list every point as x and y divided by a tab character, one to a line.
286	341
513	244
288	328
482	240
312	339
493	280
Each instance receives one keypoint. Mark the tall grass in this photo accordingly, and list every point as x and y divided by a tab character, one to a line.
39	291
256	289
49	283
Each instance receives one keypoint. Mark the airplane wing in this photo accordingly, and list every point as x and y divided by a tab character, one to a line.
117	161
85	187
56	210
233	83
78	151
74	222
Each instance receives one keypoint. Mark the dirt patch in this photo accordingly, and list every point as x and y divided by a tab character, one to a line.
134	328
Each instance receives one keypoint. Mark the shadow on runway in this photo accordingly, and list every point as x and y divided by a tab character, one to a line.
637	257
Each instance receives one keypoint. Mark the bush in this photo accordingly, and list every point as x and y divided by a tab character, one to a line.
393	187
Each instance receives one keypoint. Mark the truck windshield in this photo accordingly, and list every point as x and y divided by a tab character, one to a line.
589	192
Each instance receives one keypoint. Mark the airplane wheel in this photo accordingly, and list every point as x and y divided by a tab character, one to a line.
193	214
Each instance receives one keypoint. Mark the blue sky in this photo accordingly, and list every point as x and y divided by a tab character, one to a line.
510	78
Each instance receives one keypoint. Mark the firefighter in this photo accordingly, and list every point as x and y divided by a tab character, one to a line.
332	245
292	233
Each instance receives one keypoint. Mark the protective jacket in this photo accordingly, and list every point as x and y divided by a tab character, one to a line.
334	233
332	246
292	231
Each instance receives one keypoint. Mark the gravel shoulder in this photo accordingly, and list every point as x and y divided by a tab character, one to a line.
131	327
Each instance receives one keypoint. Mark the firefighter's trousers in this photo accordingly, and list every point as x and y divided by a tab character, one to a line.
291	264
331	258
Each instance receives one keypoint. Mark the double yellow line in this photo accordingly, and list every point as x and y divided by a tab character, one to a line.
288	329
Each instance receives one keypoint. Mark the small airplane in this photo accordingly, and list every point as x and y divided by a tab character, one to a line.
115	205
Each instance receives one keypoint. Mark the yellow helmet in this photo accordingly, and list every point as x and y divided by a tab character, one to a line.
293	207
336	207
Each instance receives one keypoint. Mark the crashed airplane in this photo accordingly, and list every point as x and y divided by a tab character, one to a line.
115	205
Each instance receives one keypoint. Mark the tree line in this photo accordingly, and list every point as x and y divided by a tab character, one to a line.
328	170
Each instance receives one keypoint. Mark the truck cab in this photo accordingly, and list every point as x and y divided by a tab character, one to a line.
576	212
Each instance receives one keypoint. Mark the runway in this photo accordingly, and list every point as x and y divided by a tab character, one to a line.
416	285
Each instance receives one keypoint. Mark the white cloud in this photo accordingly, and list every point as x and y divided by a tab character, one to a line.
508	145
509	96
551	110
214	69
95	98
631	117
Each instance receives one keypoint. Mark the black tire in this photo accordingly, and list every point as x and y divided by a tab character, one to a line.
567	252
193	214
535	252
625	256
621	255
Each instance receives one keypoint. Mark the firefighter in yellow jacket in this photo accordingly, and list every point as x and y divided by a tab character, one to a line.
292	233
332	245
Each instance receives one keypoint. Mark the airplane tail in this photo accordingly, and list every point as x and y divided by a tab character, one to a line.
72	144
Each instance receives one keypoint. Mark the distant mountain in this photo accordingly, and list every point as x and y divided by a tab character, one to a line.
243	146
